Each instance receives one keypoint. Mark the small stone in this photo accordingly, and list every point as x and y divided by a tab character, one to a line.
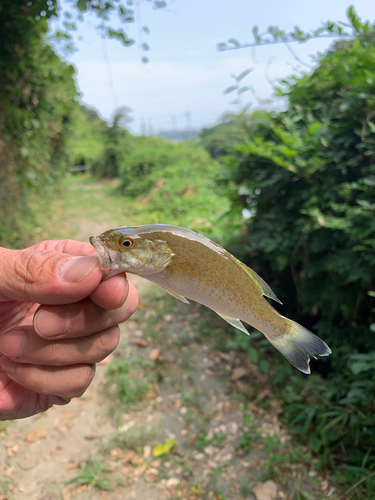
172	482
238	373
154	354
35	435
233	428
126	427
153	471
140	342
12	450
266	491
224	356
210	450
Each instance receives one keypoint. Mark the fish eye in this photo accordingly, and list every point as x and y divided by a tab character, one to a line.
126	242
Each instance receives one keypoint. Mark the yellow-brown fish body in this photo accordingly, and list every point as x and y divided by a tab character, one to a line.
190	266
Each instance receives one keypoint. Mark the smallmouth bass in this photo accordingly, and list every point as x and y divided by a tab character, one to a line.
190	266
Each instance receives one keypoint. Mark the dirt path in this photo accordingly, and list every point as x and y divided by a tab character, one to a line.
189	391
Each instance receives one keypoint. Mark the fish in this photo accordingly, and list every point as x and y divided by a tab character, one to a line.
190	266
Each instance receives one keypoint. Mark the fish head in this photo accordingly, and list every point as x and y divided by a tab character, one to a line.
125	250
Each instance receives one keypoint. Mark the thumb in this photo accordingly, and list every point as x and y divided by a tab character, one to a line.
47	277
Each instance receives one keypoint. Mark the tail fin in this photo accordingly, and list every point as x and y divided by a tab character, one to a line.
298	345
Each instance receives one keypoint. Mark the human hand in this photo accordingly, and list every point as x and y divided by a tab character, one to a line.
48	352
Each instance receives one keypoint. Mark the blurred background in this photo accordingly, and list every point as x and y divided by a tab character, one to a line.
250	122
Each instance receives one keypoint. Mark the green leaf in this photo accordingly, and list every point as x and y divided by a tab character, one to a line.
264	365
244	74
230	89
360	366
82	5
235	42
163	448
253	354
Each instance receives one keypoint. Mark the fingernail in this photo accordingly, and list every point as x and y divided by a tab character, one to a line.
12	343
75	270
51	321
7	364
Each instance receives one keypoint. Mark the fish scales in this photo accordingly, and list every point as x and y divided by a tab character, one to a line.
190	266
228	289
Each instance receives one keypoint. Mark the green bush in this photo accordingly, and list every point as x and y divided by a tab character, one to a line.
147	158
176	185
37	97
87	142
116	143
307	181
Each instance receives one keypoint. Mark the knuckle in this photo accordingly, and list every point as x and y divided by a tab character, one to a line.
66	384
41	381
84	377
107	342
54	355
96	318
32	267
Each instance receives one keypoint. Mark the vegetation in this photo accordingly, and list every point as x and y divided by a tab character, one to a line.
37	96
38	106
293	196
306	179
86	144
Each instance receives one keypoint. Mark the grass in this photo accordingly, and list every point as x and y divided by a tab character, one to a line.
134	439
127	384
94	474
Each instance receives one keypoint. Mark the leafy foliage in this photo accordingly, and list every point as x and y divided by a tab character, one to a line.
116	146
220	139
307	181
87	140
38	106
354	27
37	96
174	184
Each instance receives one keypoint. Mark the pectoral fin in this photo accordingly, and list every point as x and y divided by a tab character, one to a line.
234	322
176	295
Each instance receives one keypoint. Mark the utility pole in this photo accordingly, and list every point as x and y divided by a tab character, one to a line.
143	126
188	120
150	129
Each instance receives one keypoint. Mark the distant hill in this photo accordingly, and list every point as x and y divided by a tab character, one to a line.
178	135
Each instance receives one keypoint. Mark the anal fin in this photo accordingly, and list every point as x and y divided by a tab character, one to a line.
234	322
175	295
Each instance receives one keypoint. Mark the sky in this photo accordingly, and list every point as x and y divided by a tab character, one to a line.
183	84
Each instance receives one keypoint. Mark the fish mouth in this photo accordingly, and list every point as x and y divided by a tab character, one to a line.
103	254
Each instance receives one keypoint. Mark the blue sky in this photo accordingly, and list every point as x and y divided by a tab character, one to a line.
186	72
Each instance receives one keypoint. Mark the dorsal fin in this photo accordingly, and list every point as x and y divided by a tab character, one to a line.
266	289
